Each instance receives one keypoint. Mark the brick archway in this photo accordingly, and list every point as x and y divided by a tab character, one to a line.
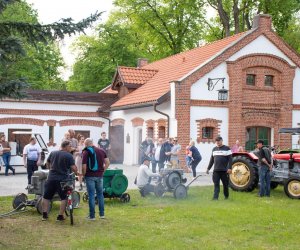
80	122
137	121
118	121
21	120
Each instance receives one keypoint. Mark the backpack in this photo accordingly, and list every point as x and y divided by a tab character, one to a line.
92	159
268	154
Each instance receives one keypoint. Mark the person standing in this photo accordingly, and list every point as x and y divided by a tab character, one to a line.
221	158
195	156
104	143
74	142
31	155
146	148
158	156
6	155
94	163
61	164
237	147
265	166
143	178
175	151
78	159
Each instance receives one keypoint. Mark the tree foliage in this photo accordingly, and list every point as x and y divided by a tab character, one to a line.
17	39
99	55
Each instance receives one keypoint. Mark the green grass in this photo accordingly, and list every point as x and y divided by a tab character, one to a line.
245	221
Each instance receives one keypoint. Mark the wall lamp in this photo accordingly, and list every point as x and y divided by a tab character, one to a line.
222	93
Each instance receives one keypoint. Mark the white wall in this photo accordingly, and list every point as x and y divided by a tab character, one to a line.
260	45
206	148
296	87
296	120
131	149
199	90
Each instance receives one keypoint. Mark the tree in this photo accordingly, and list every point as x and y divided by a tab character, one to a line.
163	27
12	47
99	56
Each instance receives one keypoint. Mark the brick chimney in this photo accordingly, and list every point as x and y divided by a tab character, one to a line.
262	21
142	62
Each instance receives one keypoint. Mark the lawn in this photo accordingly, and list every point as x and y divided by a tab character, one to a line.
245	221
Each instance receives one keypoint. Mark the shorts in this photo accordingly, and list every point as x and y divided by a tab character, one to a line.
52	187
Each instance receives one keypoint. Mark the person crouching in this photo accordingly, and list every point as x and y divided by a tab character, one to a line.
144	177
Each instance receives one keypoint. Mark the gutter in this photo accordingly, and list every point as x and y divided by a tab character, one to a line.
160	101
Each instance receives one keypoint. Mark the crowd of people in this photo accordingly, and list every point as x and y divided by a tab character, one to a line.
81	156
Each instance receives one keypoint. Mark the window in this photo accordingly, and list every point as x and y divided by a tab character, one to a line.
161	132
85	133
250	80
207	132
150	132
51	132
19	140
269	80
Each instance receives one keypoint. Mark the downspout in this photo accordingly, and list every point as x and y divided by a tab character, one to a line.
168	117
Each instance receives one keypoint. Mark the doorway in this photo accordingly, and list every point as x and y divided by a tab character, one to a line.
116	153
257	133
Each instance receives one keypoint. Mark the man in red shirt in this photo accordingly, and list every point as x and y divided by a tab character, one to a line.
94	163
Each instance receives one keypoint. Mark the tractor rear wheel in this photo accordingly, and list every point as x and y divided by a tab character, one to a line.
292	188
244	176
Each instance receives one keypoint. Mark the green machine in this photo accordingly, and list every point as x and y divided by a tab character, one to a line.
115	184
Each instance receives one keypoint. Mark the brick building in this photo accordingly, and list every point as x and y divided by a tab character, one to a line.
170	97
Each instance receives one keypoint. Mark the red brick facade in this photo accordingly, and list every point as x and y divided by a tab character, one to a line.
257	105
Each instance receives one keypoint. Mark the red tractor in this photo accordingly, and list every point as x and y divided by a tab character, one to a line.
286	170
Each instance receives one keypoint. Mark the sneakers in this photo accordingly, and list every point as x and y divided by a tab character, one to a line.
90	218
60	218
45	216
102	217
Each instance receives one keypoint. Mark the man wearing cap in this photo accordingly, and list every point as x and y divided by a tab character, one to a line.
144	177
221	158
265	166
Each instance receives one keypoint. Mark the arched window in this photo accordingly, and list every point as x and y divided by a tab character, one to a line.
161	132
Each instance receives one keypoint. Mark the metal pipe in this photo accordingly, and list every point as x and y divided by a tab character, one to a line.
168	117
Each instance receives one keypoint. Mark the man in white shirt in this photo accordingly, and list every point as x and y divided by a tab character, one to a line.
31	155
143	177
157	156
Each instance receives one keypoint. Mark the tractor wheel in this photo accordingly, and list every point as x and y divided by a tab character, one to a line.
19	202
180	191
244	176
159	190
39	206
292	188
125	198
173	179
274	184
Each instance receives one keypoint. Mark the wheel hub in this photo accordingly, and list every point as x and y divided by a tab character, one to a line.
240	174
294	188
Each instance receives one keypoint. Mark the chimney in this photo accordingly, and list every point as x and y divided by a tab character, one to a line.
262	21
142	62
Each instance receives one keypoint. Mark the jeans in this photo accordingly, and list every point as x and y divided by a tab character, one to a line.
265	181
31	167
95	184
223	176
6	159
194	164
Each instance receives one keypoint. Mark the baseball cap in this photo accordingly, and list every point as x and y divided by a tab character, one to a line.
260	141
219	138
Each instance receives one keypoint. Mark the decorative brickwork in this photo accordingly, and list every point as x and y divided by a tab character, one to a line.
137	121
117	122
211	123
150	129
20	120
51	122
80	122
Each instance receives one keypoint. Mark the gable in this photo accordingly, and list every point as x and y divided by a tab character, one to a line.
261	45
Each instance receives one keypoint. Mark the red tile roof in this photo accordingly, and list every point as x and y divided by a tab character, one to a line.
138	76
173	68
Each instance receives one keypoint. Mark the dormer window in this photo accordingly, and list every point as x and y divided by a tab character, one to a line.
250	79
269	80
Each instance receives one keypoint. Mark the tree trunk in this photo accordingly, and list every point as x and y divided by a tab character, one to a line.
224	18
236	17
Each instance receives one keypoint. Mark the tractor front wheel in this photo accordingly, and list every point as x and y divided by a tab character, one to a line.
244	176
292	188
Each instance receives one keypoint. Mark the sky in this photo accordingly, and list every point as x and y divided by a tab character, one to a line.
50	11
